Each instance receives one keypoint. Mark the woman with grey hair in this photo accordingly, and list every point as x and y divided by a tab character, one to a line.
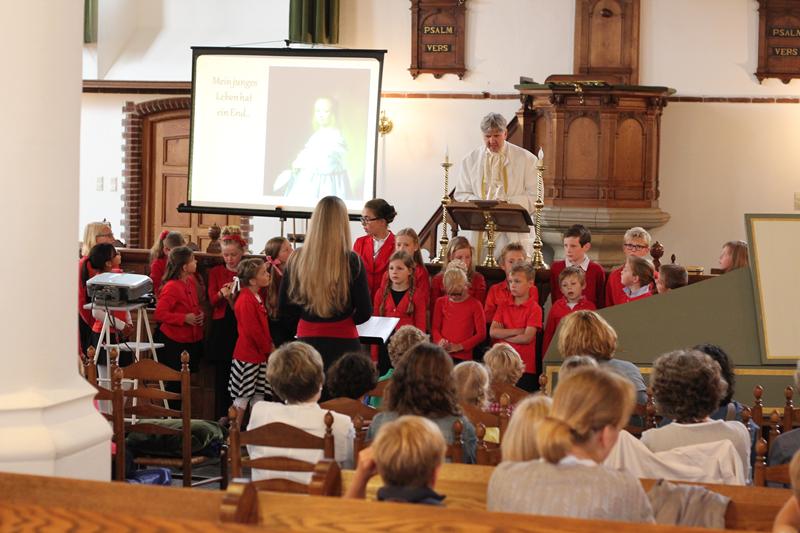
497	170
687	386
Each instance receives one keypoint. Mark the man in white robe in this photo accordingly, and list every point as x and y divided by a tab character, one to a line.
497	170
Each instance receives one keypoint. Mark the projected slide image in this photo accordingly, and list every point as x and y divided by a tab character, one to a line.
316	136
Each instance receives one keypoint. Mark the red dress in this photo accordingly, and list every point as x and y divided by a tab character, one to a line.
500	294
526	314
477	287
460	323
254	343
376	265
595	283
559	310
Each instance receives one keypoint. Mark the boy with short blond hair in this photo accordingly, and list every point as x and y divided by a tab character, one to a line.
499	293
636	242
518	321
637	278
572	282
407	453
577	242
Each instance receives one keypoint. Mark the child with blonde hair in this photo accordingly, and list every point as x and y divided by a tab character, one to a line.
519	442
573	282
407	453
459	248
458	321
788	518
406	240
472	384
504	364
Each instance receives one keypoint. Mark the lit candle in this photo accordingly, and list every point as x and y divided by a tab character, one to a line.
541	157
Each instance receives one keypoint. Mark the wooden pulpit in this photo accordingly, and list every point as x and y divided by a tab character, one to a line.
490	216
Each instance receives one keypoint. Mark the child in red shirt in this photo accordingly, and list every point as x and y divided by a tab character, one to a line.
637	278
248	379
458	321
399	298
636	242
460	248
377	246
159	253
179	314
407	240
572	281
516	323
221	297
577	242
499	293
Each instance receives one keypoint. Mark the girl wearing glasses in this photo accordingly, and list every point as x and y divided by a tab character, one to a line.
377	246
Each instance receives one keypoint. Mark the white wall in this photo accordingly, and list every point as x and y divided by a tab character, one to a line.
699	47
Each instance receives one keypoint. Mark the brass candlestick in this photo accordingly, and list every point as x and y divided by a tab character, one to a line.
444	241
538	258
490	227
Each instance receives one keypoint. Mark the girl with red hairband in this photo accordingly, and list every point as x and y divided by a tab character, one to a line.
277	252
159	253
222	290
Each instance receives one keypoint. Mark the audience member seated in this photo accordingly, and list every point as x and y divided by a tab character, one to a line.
787	444
352	376
788	519
423	385
671	277
587	333
589	410
295	373
574	362
405	338
472	385
519	442
505	367
733	256
687	387
729	409
407	454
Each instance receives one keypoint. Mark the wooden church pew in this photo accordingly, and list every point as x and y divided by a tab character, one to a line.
751	508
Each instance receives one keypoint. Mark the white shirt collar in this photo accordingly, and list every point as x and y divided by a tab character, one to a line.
504	151
377	244
572	305
583	264
572	460
639	292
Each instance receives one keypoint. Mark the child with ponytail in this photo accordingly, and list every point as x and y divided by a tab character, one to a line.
277	252
221	297
590	408
159	253
399	298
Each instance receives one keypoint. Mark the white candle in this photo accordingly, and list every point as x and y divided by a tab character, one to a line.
447	153
541	154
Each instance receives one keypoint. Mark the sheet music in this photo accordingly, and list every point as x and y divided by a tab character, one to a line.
377	327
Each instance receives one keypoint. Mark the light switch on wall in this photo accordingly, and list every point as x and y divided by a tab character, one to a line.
99	186
112	184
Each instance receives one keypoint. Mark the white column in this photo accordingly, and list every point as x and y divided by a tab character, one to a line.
48	424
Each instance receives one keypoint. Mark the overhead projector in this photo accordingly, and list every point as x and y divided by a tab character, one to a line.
114	289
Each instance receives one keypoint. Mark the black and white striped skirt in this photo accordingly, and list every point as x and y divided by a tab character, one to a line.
249	379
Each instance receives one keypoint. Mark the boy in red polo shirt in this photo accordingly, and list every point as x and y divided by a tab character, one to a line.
517	322
458	321
577	242
636	242
637	278
572	281
499	293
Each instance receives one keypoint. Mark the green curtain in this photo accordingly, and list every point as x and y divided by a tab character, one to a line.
314	21
89	21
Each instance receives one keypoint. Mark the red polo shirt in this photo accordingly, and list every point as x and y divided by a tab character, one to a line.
500	294
524	315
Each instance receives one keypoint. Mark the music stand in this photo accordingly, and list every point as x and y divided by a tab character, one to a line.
490	216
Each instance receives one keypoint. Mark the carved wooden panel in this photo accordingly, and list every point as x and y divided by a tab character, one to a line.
438	37
607	39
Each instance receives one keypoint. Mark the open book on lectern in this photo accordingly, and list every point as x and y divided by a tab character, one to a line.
377	329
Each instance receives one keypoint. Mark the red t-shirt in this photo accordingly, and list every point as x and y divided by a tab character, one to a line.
477	287
559	310
177	299
500	294
375	265
422	282
460	323
595	283
524	315
418	318
254	342
217	277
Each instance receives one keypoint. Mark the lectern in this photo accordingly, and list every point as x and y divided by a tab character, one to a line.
490	216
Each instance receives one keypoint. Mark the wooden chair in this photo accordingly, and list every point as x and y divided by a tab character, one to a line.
515	394
147	371
380	388
114	398
500	420
351	408
762	474
543	384
791	414
325	474
486	453
455	449
647	413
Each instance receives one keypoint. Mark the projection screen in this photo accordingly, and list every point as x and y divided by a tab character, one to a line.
281	128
